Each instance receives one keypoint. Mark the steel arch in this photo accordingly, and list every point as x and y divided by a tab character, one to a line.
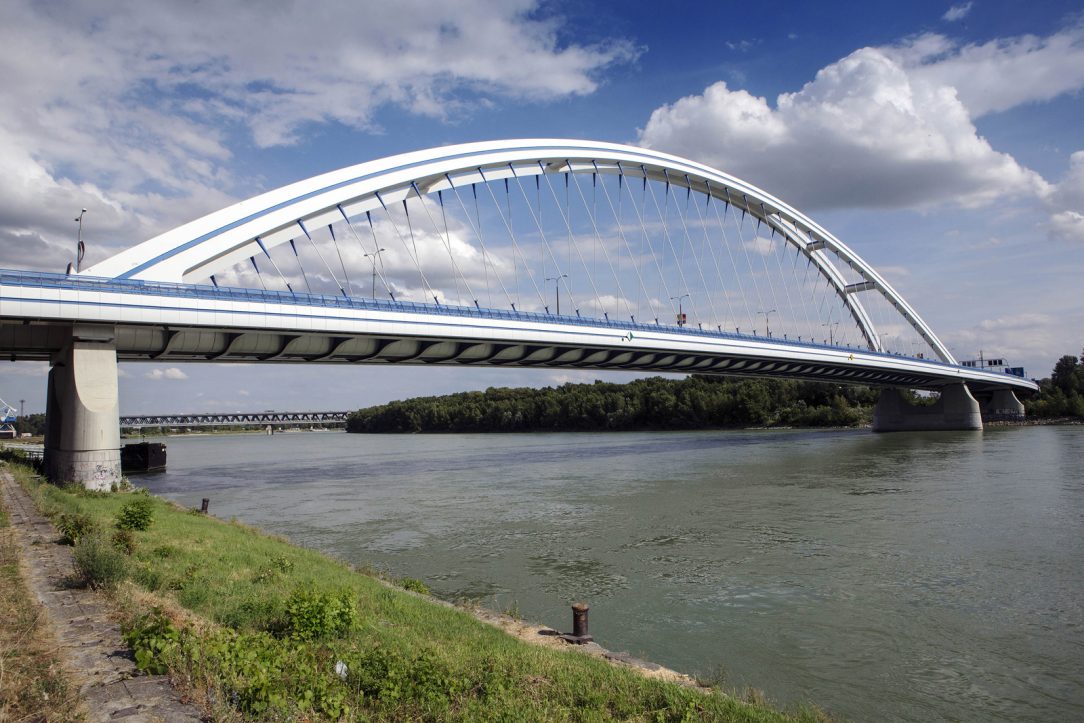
197	249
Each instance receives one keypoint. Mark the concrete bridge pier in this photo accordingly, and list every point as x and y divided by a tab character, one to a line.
82	423
955	410
1002	404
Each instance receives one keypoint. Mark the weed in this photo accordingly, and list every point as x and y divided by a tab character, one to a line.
137	514
74	526
277	567
715	677
513	610
163	552
414	585
97	563
312	615
152	637
148	577
124	541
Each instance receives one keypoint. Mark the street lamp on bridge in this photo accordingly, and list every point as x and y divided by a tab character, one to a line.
681	314
557	284
831	329
767	320
374	255
80	249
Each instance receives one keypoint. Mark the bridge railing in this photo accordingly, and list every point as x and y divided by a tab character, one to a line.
41	279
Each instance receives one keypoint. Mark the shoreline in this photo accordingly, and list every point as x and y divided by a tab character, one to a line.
194	565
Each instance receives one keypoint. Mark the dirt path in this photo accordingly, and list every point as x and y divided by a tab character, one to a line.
90	644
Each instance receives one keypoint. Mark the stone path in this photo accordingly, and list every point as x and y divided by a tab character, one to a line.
98	662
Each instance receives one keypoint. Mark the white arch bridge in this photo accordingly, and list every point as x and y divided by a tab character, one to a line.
522	253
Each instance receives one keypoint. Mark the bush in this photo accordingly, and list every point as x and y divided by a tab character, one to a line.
312	615
124	541
152	638
75	526
414	585
137	514
97	563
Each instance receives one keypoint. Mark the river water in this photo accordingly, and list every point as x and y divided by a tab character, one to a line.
889	576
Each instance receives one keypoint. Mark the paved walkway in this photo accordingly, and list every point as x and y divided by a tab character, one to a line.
98	662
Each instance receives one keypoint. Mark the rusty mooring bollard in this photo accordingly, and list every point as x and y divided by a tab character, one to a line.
204	505
579	622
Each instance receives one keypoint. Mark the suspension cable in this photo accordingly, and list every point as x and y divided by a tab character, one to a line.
711	248
301	266
666	235
689	242
641	216
331	230
621	232
266	253
512	235
317	250
545	240
605	253
566	217
730	254
402	240
478	232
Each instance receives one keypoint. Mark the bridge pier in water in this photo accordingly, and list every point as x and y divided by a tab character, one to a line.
1001	404
955	410
82	427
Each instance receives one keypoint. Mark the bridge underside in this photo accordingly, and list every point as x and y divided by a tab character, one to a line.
158	343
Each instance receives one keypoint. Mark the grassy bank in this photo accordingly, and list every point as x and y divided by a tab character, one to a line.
259	629
33	686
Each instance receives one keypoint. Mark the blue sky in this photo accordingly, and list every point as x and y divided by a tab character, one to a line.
936	139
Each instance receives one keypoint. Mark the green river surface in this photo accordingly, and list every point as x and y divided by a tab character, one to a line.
924	576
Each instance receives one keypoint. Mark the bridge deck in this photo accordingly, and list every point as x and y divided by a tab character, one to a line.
156	321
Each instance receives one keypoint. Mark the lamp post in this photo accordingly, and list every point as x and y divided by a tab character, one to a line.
767	320
831	329
681	314
557	285
80	249
374	255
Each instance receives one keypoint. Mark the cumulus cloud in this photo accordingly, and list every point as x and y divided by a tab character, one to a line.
1067	226
1000	74
135	112
957	12
170	373
863	132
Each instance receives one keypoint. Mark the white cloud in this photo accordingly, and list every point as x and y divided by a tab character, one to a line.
1023	338
1000	74
135	111
957	12
1067	226
1066	203
170	373
863	132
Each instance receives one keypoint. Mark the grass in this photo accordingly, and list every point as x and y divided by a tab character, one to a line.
33	686
234	598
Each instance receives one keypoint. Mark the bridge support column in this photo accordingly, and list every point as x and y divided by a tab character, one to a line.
1002	404
955	410
82	426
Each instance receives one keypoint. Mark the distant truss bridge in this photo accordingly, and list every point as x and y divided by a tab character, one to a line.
233	420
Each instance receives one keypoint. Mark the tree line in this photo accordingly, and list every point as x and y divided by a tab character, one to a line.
654	403
1062	393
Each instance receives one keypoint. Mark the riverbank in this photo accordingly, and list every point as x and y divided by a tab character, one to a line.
34	685
252	626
